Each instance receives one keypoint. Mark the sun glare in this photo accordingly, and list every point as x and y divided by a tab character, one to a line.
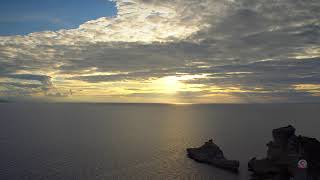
172	83
169	84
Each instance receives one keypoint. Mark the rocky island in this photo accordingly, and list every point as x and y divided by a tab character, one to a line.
288	157
210	153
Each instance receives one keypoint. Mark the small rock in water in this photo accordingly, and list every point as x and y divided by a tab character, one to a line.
210	153
288	157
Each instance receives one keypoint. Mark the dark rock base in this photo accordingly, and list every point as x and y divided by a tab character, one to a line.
288	156
210	153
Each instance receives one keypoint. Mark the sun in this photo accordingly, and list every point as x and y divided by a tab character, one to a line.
176	84
171	84
168	84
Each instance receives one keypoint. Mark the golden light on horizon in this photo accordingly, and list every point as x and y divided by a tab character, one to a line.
314	89
172	89
166	89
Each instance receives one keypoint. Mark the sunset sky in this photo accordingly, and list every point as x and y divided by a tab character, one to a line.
160	51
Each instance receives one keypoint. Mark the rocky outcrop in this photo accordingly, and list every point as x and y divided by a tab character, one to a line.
288	156
211	154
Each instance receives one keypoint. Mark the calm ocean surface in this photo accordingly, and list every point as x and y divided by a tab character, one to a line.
137	141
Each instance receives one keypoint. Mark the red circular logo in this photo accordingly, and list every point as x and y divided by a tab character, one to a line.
302	164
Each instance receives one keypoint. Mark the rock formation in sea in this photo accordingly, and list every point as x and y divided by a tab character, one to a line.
210	153
288	157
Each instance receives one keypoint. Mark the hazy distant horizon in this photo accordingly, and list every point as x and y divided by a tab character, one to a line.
159	103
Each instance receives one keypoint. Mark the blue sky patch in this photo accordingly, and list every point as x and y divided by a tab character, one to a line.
20	17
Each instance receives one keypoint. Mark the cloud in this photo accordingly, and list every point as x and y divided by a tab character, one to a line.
246	50
46	80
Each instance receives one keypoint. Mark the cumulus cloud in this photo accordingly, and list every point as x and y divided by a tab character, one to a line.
241	50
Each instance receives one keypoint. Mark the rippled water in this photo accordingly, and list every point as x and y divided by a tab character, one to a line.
137	141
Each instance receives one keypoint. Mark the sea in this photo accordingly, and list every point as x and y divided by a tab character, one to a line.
88	141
